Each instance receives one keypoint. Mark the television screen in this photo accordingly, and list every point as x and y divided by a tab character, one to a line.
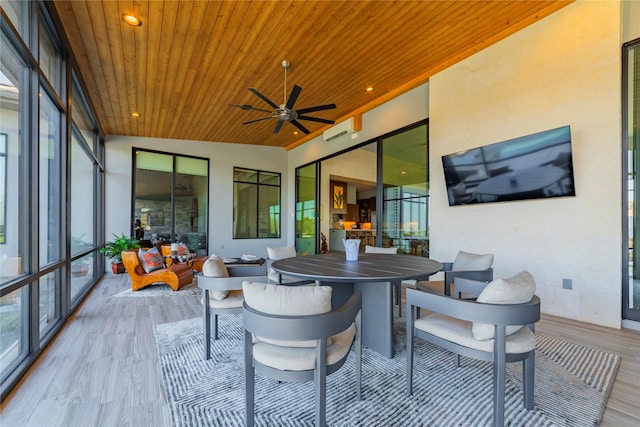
529	167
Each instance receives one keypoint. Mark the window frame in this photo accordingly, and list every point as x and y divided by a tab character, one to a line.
269	215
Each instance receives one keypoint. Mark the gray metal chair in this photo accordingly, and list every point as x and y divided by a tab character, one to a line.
466	265
231	304
276	253
450	325
267	328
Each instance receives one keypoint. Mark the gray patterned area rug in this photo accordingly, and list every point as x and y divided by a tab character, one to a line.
161	289
572	384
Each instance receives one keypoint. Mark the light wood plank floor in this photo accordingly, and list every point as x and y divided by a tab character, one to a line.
103	370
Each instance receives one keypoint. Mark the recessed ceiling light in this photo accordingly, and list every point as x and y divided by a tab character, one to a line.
135	114
131	20
403	173
295	132
368	89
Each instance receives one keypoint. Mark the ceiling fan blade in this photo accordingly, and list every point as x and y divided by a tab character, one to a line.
316	108
316	119
295	92
249	107
259	120
264	98
278	126
299	126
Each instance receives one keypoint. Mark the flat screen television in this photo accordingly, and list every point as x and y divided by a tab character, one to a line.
529	167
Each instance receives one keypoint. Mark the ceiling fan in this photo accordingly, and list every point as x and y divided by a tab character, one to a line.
285	112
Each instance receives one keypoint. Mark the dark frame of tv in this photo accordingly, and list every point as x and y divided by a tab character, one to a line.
535	166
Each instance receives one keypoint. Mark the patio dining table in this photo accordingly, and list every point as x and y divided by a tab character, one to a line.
374	275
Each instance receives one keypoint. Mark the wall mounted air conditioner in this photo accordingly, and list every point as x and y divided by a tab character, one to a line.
339	130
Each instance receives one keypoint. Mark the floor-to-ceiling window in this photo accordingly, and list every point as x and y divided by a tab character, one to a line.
15	94
171	199
405	191
51	224
631	140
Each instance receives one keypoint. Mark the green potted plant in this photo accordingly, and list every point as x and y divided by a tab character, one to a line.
114	248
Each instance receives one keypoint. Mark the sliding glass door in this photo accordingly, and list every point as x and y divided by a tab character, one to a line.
307	214
377	192
405	192
171	195
631	128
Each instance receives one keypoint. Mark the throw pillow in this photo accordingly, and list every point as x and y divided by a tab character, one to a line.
288	301
183	252
517	289
214	267
151	259
466	261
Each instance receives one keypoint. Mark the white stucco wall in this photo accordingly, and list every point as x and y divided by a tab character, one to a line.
222	159
563	70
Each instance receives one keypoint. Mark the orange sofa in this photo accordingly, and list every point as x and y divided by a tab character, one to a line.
176	275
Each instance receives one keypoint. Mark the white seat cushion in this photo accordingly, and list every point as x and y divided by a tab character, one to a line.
214	267
234	299
466	261
459	332
301	358
517	289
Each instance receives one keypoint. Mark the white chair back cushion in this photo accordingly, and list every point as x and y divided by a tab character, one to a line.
214	267
282	252
376	250
466	261
277	253
287	301
517	289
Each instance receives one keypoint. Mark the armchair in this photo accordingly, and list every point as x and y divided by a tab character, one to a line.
292	335
176	275
466	265
222	293
488	329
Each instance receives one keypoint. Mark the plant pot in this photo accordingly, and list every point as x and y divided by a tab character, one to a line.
117	268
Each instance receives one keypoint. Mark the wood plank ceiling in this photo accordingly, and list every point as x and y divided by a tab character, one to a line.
189	59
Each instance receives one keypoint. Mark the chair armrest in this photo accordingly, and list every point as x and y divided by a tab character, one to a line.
495	314
226	283
294	328
446	266
469	286
247	270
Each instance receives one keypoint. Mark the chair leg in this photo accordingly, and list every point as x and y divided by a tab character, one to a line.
399	298
215	326
206	325
528	374
320	375
499	378
358	344
410	338
249	378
